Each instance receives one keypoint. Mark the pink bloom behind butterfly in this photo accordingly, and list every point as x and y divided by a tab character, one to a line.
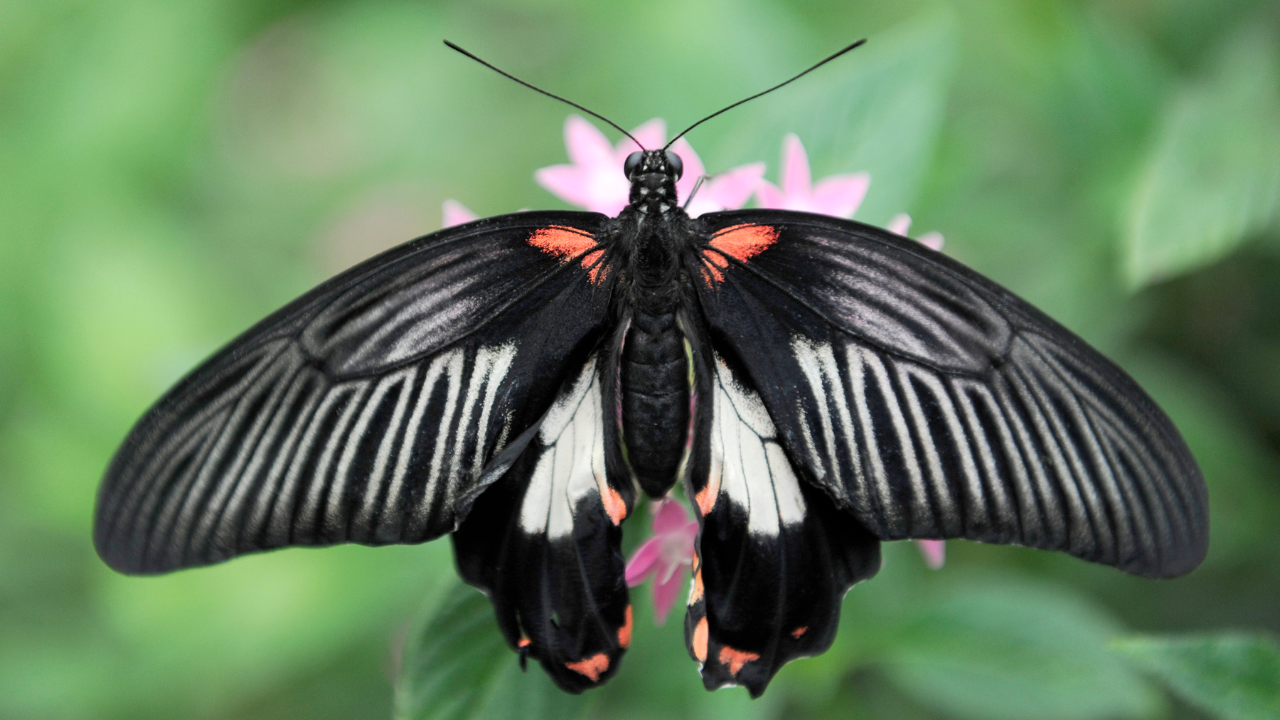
838	195
666	557
902	222
594	181
455	213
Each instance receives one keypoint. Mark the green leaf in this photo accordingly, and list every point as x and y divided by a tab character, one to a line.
1016	650
1213	178
1231	676
457	666
877	110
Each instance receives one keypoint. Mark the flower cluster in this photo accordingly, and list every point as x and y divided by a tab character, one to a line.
594	181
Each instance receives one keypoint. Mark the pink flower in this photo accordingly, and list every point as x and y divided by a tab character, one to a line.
934	552
902	222
838	195
665	557
455	213
595	181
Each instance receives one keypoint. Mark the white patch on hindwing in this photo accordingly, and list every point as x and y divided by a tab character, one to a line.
755	474
571	464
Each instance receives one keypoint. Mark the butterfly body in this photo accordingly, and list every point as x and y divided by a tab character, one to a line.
647	250
653	379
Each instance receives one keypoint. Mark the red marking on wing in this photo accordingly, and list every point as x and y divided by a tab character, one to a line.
568	243
592	667
614	506
698	589
624	632
595	269
744	241
799	631
700	640
706	497
741	242
524	642
735	659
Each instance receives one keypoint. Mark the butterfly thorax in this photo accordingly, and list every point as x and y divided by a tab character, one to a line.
653	368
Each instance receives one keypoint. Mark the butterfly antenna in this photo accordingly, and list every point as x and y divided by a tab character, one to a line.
535	88
817	65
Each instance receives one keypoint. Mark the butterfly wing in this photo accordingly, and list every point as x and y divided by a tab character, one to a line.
774	557
373	409
544	541
928	402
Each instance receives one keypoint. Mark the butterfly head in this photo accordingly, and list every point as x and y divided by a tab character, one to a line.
653	175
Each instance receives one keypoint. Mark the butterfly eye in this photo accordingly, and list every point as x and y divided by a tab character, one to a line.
632	164
675	163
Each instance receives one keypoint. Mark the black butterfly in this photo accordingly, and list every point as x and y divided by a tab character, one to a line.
817	385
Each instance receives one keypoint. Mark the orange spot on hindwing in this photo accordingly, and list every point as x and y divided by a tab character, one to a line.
568	243
624	632
614	506
741	242
698	591
799	631
735	659
706	497
699	641
592	667
525	642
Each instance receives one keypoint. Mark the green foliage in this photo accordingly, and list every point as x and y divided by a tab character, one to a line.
1213	177
1232	676
878	110
1000	649
456	666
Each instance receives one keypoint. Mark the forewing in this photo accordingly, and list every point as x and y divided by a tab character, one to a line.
544	542
931	403
365	411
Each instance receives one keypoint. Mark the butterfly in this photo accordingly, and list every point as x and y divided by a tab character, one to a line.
816	386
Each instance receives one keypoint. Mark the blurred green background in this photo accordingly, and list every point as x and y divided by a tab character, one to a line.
172	171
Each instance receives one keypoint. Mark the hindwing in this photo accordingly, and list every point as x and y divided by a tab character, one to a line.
774	556
544	541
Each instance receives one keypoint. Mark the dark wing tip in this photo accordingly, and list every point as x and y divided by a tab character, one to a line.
1185	553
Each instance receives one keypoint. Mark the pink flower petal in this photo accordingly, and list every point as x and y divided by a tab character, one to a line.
610	203
587	146
652	135
900	224
934	552
455	213
770	196
670	517
602	191
730	190
795	168
567	182
595	181
644	562
840	195
932	240
664	596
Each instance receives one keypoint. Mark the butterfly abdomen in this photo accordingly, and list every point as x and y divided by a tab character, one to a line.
655	399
